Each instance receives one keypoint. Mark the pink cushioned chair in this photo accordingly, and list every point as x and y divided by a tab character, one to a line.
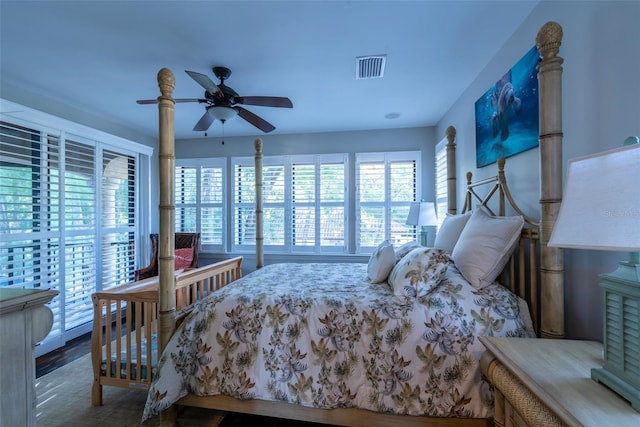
187	246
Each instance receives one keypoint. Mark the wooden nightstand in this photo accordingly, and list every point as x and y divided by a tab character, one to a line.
547	382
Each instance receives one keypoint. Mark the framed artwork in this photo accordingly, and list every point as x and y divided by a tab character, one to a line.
507	113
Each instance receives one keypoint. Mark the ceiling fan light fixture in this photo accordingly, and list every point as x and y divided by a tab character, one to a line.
222	113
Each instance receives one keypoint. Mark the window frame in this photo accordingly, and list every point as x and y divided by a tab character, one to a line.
387	158
287	204
199	205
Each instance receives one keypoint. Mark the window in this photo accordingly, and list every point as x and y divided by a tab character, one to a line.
441	180
68	206
303	202
200	200
318	203
386	184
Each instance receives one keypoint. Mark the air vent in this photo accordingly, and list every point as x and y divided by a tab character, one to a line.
370	67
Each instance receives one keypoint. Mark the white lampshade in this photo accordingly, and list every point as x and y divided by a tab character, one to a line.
422	213
222	113
601	204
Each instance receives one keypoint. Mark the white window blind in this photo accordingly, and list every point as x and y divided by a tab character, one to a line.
200	200
318	203
30	211
303	202
273	203
386	184
68	209
441	180
118	218
79	240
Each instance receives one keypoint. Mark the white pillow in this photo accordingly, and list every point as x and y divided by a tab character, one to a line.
419	272
381	262
450	230
484	246
405	249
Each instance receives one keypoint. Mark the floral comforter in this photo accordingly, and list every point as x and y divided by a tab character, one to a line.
321	335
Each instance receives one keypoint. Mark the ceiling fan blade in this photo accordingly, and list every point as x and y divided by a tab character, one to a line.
265	101
155	101
204	81
205	121
258	122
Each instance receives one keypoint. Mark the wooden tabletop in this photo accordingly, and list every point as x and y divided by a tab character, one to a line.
558	372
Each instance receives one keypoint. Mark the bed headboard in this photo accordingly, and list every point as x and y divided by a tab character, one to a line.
521	275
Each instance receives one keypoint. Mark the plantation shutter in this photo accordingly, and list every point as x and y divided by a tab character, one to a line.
318	203
30	212
186	196
332	207
68	210
79	237
441	180
199	200
386	184
118	218
212	207
303	204
244	191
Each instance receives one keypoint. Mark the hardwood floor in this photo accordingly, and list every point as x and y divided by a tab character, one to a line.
74	349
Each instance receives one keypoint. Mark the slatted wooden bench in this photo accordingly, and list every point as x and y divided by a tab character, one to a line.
124	347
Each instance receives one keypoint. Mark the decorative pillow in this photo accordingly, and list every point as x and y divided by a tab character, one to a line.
183	258
381	262
419	272
484	246
405	249
450	230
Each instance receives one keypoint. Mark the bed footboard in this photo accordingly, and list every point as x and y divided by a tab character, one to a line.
124	348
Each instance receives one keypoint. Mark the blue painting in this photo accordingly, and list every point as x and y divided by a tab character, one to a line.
507	114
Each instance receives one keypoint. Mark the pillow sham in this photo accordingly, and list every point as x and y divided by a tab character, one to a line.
484	246
405	249
450	230
419	272
183	258
381	262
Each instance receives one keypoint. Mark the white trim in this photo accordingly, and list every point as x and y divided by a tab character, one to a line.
29	117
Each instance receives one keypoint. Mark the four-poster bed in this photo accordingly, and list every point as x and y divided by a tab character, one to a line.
521	276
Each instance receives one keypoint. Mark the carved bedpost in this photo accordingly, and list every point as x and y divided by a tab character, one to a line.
167	297
451	171
548	43
259	233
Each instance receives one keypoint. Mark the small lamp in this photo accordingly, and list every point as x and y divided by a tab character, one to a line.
601	211
422	214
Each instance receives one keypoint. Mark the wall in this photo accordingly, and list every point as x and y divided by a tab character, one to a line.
601	107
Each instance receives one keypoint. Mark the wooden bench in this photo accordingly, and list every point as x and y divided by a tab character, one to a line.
124	348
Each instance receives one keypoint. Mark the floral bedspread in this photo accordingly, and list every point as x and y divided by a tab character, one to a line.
321	335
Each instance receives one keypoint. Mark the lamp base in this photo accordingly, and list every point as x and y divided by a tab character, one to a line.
617	384
424	237
621	333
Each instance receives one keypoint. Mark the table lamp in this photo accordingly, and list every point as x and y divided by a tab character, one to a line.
600	210
422	214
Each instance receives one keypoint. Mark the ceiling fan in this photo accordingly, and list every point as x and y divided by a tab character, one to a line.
222	102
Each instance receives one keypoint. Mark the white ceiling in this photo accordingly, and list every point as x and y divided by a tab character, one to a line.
102	56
